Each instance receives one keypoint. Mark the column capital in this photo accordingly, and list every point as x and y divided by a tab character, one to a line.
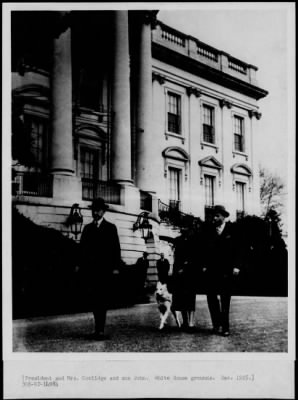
194	91
159	78
149	18
225	103
62	23
254	113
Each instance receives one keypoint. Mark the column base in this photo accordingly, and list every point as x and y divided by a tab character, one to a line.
154	213
67	188
130	198
124	182
63	171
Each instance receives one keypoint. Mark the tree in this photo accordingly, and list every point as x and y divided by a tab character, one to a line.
271	192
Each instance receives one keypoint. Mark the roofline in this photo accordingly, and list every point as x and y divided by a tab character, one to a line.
188	64
206	45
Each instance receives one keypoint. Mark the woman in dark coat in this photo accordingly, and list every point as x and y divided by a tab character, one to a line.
184	291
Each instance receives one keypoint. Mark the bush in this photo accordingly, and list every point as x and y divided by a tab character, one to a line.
44	275
43	269
264	258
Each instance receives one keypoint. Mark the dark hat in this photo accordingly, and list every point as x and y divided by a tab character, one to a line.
220	210
99	204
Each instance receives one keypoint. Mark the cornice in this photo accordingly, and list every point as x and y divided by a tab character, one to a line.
195	67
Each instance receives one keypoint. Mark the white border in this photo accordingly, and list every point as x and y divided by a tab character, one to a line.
61	358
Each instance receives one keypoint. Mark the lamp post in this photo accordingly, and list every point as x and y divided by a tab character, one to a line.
75	220
143	224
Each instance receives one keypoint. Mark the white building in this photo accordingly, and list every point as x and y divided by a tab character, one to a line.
121	106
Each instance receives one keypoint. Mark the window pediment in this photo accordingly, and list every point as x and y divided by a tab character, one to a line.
241	169
176	153
91	131
210	162
32	92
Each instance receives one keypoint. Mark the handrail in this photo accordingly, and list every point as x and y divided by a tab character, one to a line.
172	215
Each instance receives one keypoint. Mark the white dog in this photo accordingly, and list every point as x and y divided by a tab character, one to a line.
164	302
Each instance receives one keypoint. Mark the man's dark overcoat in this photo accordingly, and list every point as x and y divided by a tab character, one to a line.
100	255
221	255
142	266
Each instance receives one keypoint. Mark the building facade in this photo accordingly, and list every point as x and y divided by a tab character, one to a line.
119	105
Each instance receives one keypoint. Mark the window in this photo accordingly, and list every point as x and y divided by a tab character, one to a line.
175	188
89	163
38	130
208	124
209	190
240	193
174	113
238	134
209	196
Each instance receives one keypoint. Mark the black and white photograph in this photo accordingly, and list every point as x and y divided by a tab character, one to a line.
148	200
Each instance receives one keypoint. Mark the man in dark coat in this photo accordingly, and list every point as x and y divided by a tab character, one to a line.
163	267
100	259
221	263
142	266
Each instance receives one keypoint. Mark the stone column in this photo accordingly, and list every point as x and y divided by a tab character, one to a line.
121	127
228	197
196	195
255	179
61	140
67	188
145	141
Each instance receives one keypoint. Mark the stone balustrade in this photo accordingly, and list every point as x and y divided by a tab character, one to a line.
202	52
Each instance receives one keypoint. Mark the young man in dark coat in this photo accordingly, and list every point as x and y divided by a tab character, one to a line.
163	268
100	259
142	266
221	263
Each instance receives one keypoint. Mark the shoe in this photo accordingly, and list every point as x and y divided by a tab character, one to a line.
99	336
226	333
190	329
217	329
184	327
